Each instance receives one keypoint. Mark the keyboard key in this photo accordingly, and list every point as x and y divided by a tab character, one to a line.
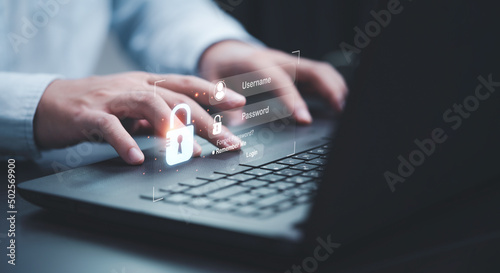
309	186
298	179
263	191
265	213
303	199
319	151
174	188
289	172
305	167
211	176
305	156
284	206
295	192
212	186
274	166
243	199
223	206
177	198
193	182
258	172
246	211
254	183
316	180
241	177
200	202
326	146
281	185
272	177
317	161
315	174
233	170
271	200
291	161
224	193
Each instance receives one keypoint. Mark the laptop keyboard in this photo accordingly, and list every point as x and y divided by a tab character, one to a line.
247	191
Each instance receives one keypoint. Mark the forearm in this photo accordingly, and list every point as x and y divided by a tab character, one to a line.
173	39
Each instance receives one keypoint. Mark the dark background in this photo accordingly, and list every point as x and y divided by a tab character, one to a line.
316	27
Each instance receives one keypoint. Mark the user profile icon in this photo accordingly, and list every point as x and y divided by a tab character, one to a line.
220	90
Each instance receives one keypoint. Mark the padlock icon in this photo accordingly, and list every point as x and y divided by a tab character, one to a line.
179	146
217	125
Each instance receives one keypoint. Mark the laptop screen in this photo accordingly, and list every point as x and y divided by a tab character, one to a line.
421	122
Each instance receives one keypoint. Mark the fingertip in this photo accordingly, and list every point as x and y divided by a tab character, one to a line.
196	149
341	105
303	116
337	99
229	140
236	141
241	98
135	156
337	105
237	100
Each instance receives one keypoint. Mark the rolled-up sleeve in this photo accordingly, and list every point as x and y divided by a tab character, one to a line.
19	97
171	35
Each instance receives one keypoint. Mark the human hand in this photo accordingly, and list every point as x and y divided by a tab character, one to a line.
69	108
230	57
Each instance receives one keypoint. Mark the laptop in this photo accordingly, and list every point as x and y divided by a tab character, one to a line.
400	146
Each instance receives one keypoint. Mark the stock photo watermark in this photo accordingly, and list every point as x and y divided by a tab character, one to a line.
47	9
11	212
372	29
453	117
321	253
228	5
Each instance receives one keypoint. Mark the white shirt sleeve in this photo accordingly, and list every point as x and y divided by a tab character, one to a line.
171	35
167	35
19	97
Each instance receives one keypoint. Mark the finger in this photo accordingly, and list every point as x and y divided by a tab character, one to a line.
202	120
199	90
295	102
143	105
140	127
325	80
114	133
144	125
196	149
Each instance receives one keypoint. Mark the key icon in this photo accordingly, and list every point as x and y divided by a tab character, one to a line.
179	140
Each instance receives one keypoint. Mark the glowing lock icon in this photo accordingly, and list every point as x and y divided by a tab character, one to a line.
217	125
180	141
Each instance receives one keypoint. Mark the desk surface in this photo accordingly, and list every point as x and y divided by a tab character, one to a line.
458	235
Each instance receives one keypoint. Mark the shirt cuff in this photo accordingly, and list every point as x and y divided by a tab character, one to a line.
21	95
209	40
